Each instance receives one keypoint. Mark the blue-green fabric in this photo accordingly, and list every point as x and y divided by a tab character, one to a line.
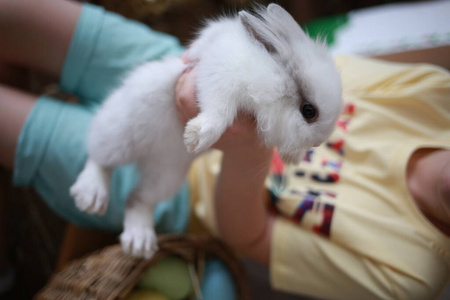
51	149
104	48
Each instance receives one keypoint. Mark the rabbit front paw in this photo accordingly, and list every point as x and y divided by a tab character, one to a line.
200	135
192	135
139	241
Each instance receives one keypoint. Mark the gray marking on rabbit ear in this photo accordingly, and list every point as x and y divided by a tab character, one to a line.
257	29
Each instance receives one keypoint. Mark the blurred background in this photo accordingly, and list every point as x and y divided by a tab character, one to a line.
363	27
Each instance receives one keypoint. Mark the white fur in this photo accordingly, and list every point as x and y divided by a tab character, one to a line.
266	66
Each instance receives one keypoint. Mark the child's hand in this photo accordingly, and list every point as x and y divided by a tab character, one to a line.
240	136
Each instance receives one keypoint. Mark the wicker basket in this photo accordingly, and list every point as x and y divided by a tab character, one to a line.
111	274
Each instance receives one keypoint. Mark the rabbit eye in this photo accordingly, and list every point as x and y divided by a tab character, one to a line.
308	111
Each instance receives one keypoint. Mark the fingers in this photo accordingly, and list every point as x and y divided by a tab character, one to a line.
185	92
184	57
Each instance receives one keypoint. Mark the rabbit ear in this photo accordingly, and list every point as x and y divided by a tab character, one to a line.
285	23
259	30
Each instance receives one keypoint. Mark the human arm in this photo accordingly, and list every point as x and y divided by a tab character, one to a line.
242	218
43	41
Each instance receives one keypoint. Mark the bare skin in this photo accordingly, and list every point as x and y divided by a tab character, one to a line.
428	179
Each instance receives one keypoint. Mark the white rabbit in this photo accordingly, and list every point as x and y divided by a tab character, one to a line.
264	64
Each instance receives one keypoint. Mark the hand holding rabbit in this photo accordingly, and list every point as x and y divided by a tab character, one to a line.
241	135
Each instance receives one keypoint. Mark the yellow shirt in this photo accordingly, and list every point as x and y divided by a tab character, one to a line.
347	226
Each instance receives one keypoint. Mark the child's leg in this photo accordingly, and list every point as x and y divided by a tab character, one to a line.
37	34
15	106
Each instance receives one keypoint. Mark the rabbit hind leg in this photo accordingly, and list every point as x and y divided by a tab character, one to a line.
109	144
90	190
139	237
159	180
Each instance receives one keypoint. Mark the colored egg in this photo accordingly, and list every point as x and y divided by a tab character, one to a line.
170	277
145	295
218	283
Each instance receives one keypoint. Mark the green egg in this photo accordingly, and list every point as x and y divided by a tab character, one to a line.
170	277
145	295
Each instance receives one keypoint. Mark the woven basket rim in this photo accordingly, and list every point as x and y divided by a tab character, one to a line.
110	274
